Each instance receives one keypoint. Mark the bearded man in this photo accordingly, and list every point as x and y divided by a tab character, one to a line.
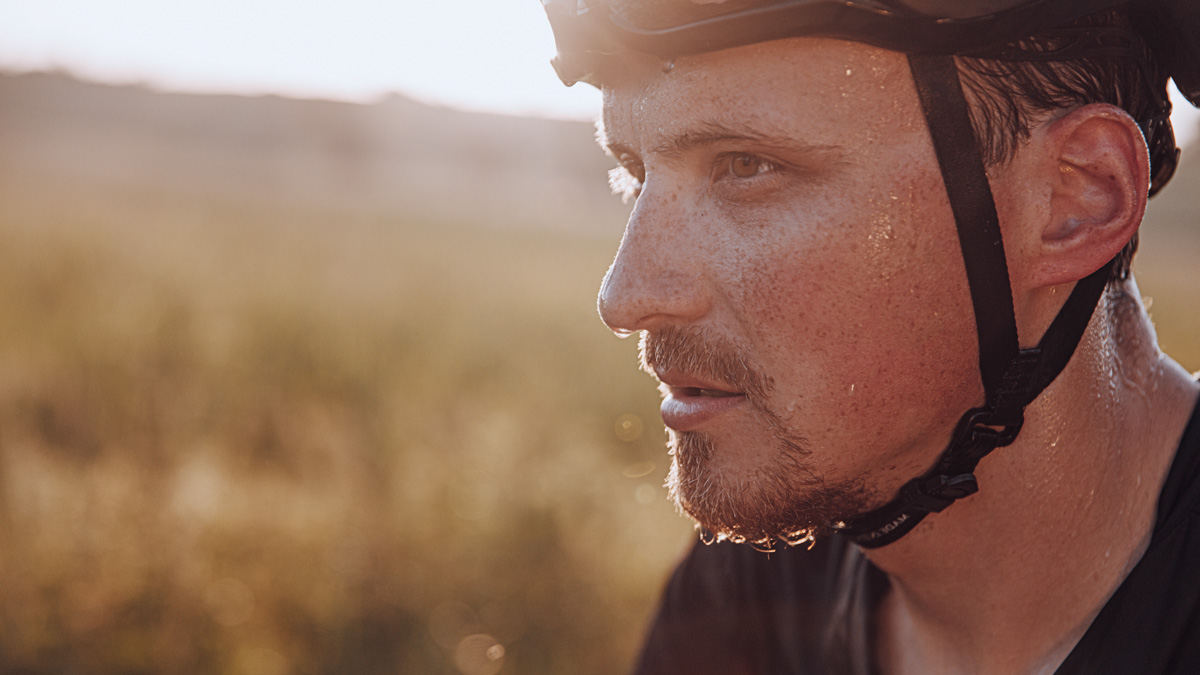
873	242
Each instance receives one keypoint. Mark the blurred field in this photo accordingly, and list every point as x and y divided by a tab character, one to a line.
272	436
280	442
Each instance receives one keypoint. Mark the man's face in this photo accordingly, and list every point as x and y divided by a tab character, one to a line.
793	263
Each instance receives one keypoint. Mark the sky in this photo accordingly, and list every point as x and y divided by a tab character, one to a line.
477	54
490	55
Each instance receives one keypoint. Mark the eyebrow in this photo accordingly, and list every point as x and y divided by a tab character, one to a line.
709	133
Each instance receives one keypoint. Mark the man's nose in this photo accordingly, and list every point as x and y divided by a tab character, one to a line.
659	273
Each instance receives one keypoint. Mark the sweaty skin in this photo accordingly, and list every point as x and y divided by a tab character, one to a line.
791	206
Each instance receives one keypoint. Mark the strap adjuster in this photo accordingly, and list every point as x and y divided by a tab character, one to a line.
977	435
937	492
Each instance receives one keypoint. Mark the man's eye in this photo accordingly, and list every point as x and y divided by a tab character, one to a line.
748	166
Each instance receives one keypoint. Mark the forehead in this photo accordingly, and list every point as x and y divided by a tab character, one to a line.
820	89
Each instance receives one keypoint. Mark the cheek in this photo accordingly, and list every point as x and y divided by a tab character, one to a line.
869	315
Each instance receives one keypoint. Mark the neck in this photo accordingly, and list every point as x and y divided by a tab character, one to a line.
1009	579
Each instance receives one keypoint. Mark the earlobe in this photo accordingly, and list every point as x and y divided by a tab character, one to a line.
1099	175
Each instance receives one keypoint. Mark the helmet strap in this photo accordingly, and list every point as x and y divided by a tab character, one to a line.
1012	377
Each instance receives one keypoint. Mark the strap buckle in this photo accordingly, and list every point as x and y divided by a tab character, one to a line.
977	435
954	478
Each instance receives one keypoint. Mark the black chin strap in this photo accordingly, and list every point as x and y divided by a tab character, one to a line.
1012	377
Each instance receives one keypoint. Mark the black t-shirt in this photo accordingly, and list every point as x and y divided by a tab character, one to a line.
731	610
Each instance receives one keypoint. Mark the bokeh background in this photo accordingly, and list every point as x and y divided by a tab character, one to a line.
314	386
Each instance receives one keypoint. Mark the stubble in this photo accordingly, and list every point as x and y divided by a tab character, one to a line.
781	500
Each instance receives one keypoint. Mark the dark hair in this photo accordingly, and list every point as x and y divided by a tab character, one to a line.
1098	59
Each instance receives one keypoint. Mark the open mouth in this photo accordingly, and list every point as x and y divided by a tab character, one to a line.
698	391
687	406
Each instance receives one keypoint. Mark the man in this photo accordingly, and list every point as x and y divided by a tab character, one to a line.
855	279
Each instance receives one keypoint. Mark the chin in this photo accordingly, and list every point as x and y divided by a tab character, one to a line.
780	500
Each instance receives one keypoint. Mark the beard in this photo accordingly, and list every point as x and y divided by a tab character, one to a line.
784	499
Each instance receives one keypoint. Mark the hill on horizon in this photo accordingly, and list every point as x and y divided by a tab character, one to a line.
394	158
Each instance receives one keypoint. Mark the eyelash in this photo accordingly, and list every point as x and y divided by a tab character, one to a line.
626	180
726	162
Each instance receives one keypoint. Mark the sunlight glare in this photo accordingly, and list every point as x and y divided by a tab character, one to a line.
476	54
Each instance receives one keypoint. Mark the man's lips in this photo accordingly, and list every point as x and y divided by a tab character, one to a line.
690	401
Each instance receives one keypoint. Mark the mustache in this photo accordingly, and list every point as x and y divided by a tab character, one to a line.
701	353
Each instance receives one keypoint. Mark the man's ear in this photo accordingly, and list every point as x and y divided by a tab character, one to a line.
1098	169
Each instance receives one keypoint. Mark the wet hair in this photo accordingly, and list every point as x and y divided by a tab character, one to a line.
1098	59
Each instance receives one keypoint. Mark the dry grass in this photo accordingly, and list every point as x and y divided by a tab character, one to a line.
271	442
